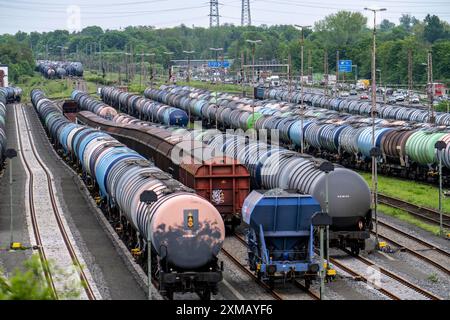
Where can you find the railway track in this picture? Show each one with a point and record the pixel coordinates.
(46, 221)
(427, 214)
(263, 285)
(388, 274)
(296, 282)
(422, 246)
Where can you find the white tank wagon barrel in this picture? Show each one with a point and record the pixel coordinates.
(186, 231)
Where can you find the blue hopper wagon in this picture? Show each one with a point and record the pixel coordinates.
(280, 235)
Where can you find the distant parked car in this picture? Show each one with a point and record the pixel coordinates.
(353, 92)
(415, 100)
(344, 94)
(364, 97)
(400, 97)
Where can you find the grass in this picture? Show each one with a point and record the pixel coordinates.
(54, 88)
(136, 87)
(418, 193)
(406, 217)
(433, 277)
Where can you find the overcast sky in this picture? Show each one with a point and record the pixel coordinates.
(47, 15)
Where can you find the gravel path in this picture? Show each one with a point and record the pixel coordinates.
(49, 229)
(377, 279)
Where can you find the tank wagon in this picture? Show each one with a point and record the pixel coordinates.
(271, 166)
(280, 235)
(385, 111)
(222, 180)
(338, 137)
(143, 108)
(185, 230)
(59, 69)
(7, 95)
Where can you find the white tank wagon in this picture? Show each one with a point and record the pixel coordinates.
(186, 231)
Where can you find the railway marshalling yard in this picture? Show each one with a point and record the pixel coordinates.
(57, 216)
(242, 164)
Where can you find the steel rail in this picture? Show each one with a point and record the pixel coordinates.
(428, 214)
(70, 248)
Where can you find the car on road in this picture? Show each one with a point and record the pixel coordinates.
(344, 94)
(400, 97)
(353, 92)
(392, 100)
(364, 96)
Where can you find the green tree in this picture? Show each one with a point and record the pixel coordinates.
(29, 283)
(407, 22)
(434, 29)
(341, 29)
(386, 25)
(441, 59)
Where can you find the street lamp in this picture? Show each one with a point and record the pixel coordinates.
(189, 64)
(430, 87)
(169, 53)
(356, 72)
(373, 112)
(142, 64)
(254, 42)
(216, 50)
(149, 197)
(380, 85)
(440, 146)
(62, 51)
(10, 154)
(302, 108)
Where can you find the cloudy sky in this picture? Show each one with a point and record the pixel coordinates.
(47, 15)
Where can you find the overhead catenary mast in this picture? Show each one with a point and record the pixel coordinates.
(214, 13)
(246, 18)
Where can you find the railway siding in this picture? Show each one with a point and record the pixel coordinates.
(49, 222)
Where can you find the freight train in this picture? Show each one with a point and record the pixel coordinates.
(59, 69)
(143, 108)
(7, 95)
(407, 148)
(280, 237)
(385, 111)
(185, 231)
(222, 180)
(275, 167)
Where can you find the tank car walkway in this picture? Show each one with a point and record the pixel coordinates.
(112, 277)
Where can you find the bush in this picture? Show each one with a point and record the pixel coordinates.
(443, 106)
(31, 284)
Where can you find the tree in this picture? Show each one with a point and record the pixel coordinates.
(441, 59)
(386, 25)
(341, 29)
(93, 31)
(17, 56)
(434, 29)
(407, 22)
